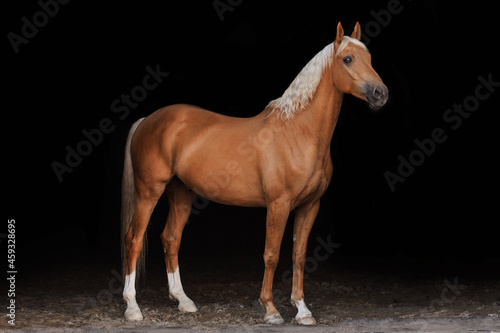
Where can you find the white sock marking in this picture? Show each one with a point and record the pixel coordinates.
(133, 312)
(302, 307)
(176, 291)
(129, 289)
(304, 316)
(174, 284)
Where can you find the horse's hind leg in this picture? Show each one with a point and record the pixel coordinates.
(146, 199)
(180, 199)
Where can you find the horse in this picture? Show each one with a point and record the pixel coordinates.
(279, 159)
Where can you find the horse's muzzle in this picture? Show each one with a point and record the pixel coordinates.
(376, 94)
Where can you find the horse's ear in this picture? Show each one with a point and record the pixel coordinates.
(356, 32)
(340, 35)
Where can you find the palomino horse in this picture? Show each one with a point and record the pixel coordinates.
(279, 159)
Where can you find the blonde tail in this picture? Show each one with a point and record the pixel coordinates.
(128, 205)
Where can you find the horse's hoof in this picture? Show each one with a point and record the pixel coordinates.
(274, 319)
(133, 314)
(187, 306)
(307, 320)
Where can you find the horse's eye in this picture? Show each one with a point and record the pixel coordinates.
(347, 59)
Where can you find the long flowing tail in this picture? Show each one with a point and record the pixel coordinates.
(128, 205)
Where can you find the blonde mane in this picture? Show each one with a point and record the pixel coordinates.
(297, 96)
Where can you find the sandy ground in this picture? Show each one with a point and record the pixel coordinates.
(444, 325)
(347, 296)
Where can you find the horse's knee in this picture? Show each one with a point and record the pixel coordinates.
(271, 259)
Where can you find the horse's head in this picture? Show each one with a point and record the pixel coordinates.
(353, 72)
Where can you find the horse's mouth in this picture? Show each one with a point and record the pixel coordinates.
(377, 106)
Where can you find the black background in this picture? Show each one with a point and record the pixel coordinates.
(429, 55)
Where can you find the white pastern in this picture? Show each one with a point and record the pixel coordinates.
(304, 316)
(176, 291)
(133, 312)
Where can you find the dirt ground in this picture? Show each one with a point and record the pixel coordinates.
(85, 293)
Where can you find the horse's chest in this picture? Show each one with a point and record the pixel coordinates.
(311, 184)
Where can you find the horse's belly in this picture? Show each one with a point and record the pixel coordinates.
(226, 181)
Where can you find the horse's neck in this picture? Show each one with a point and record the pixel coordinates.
(321, 115)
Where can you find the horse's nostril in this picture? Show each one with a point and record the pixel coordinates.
(377, 93)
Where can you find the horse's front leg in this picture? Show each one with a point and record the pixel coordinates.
(304, 220)
(277, 215)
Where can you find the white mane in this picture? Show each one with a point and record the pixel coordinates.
(297, 96)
